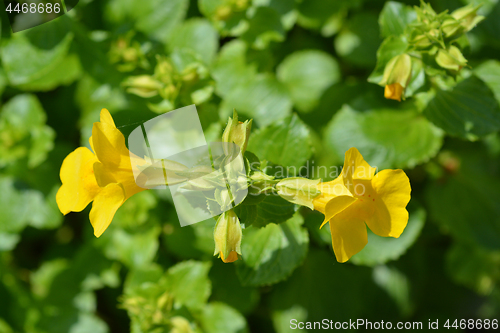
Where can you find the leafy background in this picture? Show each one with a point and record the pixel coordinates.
(299, 69)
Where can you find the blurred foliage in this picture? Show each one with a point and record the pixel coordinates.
(300, 70)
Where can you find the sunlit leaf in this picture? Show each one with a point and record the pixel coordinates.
(395, 17)
(307, 74)
(469, 110)
(286, 143)
(386, 138)
(271, 254)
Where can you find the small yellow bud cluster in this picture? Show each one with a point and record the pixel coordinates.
(163, 82)
(167, 82)
(435, 33)
(128, 54)
(432, 36)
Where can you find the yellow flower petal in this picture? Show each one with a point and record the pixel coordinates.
(349, 234)
(106, 118)
(337, 205)
(104, 207)
(334, 188)
(79, 186)
(393, 91)
(334, 198)
(389, 216)
(232, 257)
(355, 168)
(109, 145)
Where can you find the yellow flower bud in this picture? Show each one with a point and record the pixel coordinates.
(227, 236)
(451, 27)
(180, 325)
(300, 191)
(422, 41)
(164, 70)
(451, 59)
(393, 91)
(237, 132)
(397, 74)
(143, 85)
(223, 13)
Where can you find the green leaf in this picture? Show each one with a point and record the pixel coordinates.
(286, 143)
(489, 72)
(66, 292)
(273, 209)
(386, 138)
(14, 216)
(133, 249)
(320, 281)
(25, 207)
(156, 18)
(32, 54)
(469, 110)
(396, 285)
(45, 212)
(395, 17)
(23, 131)
(473, 267)
(265, 26)
(191, 241)
(380, 250)
(262, 98)
(284, 8)
(283, 318)
(4, 327)
(230, 69)
(198, 36)
(3, 80)
(491, 25)
(133, 237)
(359, 40)
(68, 70)
(464, 203)
(390, 47)
(153, 298)
(321, 14)
(8, 241)
(42, 278)
(89, 323)
(229, 18)
(307, 74)
(219, 317)
(272, 253)
(226, 288)
(189, 284)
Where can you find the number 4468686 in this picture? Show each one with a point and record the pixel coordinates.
(472, 324)
(34, 8)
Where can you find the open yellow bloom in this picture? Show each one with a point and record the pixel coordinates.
(106, 177)
(358, 197)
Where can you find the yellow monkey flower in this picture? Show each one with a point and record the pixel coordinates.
(397, 74)
(358, 197)
(104, 177)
